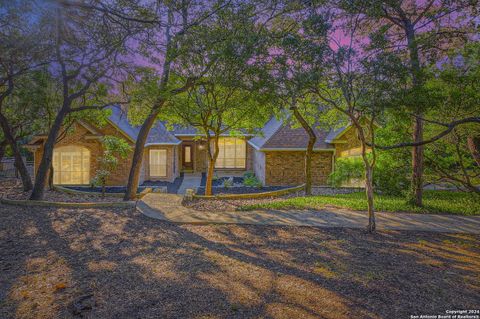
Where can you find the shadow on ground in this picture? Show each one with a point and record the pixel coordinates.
(120, 264)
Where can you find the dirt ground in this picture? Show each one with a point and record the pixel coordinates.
(12, 189)
(104, 263)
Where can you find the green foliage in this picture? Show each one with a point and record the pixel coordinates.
(387, 179)
(114, 148)
(250, 180)
(228, 182)
(435, 202)
(346, 170)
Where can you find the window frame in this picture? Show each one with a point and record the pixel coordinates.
(150, 162)
(69, 151)
(236, 158)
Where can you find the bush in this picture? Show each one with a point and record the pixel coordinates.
(390, 176)
(228, 182)
(248, 174)
(250, 180)
(346, 170)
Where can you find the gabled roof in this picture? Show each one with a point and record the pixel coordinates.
(333, 134)
(277, 134)
(280, 135)
(158, 134)
(270, 128)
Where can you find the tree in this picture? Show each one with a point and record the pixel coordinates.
(227, 98)
(113, 149)
(455, 87)
(86, 61)
(292, 78)
(340, 79)
(416, 31)
(21, 51)
(173, 21)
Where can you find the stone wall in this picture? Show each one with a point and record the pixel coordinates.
(348, 144)
(77, 136)
(285, 168)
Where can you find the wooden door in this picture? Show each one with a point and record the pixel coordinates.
(187, 156)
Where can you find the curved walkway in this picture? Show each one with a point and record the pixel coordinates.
(169, 207)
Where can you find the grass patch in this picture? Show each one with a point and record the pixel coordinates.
(445, 202)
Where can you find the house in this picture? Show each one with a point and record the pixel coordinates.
(275, 154)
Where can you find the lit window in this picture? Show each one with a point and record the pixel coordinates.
(71, 165)
(158, 163)
(233, 153)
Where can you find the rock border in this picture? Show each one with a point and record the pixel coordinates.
(77, 192)
(276, 193)
(42, 203)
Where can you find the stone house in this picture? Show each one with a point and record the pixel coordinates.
(275, 154)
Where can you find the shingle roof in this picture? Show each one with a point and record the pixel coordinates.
(183, 130)
(288, 137)
(158, 134)
(276, 134)
(268, 130)
(334, 133)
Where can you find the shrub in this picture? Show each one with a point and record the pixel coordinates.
(390, 175)
(248, 174)
(228, 182)
(252, 181)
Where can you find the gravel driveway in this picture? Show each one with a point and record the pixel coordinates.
(99, 263)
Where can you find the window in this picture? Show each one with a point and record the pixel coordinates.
(233, 153)
(158, 163)
(71, 165)
(188, 154)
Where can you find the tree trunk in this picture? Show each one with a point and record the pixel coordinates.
(417, 151)
(50, 177)
(210, 172)
(46, 162)
(211, 163)
(369, 167)
(312, 138)
(134, 176)
(369, 192)
(417, 165)
(473, 143)
(19, 163)
(3, 146)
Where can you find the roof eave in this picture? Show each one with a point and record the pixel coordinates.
(286, 149)
(159, 144)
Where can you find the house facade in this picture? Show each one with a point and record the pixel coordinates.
(275, 154)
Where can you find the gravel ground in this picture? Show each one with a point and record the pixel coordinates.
(117, 263)
(12, 189)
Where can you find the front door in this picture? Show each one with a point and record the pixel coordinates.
(187, 157)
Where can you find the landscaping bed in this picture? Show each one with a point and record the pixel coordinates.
(108, 189)
(239, 204)
(219, 181)
(217, 190)
(12, 189)
(172, 187)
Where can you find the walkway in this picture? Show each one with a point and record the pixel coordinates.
(169, 207)
(190, 180)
